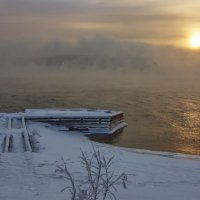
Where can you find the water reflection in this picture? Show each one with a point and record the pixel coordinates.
(157, 120)
(187, 127)
(105, 138)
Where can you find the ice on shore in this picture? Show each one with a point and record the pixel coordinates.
(32, 175)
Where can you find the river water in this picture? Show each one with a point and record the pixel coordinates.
(157, 120)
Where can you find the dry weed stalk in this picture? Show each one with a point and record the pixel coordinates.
(100, 180)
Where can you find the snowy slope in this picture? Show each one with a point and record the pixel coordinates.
(32, 175)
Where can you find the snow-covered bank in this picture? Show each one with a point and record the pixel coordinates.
(26, 175)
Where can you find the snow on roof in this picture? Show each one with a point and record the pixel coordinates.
(74, 112)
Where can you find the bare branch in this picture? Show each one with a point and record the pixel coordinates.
(100, 181)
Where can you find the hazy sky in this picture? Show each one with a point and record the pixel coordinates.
(169, 22)
(89, 41)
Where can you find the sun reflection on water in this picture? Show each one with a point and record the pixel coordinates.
(187, 127)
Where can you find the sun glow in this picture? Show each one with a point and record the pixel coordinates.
(195, 41)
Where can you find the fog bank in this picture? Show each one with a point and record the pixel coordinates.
(97, 61)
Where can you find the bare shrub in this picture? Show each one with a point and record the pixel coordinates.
(100, 180)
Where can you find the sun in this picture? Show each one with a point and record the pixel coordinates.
(195, 41)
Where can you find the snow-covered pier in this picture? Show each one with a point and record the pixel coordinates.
(91, 121)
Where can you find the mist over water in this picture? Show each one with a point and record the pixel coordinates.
(158, 120)
(157, 87)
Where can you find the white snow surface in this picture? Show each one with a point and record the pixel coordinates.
(33, 176)
(74, 112)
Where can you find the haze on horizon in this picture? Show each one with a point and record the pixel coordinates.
(149, 37)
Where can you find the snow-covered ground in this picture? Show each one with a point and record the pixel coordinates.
(33, 175)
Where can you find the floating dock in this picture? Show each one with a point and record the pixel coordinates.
(91, 121)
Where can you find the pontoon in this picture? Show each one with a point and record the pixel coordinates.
(91, 121)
